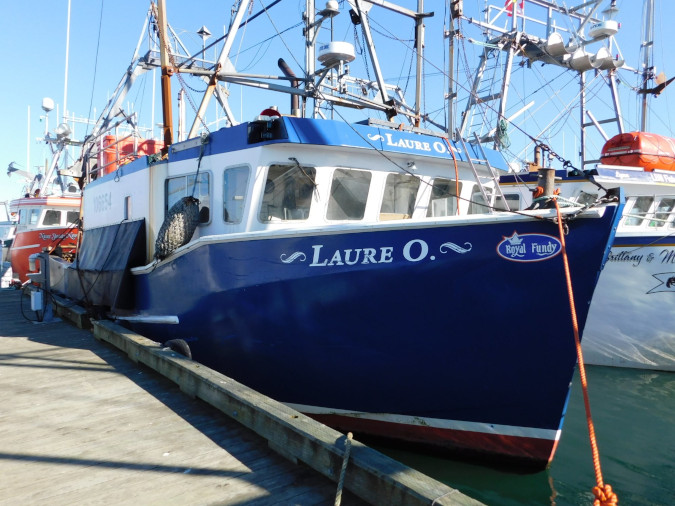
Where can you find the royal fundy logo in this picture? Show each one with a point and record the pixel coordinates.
(528, 247)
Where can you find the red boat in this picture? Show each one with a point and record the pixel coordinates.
(640, 149)
(44, 223)
(50, 222)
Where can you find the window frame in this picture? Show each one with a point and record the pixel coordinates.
(452, 185)
(362, 203)
(299, 193)
(386, 214)
(48, 212)
(247, 182)
(188, 190)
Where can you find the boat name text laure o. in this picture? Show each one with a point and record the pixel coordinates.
(413, 251)
(438, 146)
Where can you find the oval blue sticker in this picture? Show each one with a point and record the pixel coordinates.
(528, 247)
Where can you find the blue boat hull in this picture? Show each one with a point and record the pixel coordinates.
(432, 335)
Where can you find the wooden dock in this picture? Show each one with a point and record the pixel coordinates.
(82, 423)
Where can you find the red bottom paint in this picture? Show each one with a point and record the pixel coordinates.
(525, 451)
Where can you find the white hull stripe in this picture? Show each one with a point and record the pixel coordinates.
(25, 247)
(168, 319)
(439, 423)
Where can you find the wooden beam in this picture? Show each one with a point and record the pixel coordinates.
(370, 475)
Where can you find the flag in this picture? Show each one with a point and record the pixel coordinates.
(512, 5)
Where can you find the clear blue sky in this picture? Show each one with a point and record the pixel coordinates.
(33, 35)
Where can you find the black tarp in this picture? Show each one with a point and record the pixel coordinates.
(102, 268)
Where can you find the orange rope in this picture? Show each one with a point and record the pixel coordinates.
(539, 191)
(603, 493)
(454, 159)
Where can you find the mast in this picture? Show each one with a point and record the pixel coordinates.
(647, 70)
(167, 71)
(419, 47)
(510, 56)
(222, 63)
(455, 12)
(365, 23)
(310, 54)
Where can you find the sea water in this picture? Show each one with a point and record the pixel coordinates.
(633, 413)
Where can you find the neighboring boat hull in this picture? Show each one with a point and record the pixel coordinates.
(389, 334)
(35, 241)
(630, 323)
(44, 224)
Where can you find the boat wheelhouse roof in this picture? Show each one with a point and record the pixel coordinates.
(49, 201)
(292, 130)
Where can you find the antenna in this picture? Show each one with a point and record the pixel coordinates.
(65, 83)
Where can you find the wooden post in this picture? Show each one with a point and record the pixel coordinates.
(546, 179)
(167, 71)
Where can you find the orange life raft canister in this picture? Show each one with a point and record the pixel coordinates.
(640, 149)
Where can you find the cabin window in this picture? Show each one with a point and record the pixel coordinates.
(478, 204)
(400, 193)
(288, 193)
(33, 217)
(235, 182)
(127, 207)
(443, 198)
(637, 213)
(51, 217)
(22, 217)
(72, 217)
(510, 202)
(348, 194)
(183, 186)
(663, 213)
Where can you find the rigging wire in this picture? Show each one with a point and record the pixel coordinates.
(483, 111)
(93, 84)
(242, 38)
(283, 41)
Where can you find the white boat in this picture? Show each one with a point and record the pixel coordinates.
(633, 310)
(631, 316)
(357, 271)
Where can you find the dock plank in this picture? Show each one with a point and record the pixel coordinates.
(82, 423)
(89, 422)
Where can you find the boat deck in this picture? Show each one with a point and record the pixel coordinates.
(81, 422)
